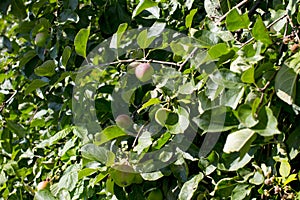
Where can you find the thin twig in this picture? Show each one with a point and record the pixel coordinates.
(267, 84)
(237, 6)
(129, 61)
(252, 10)
(138, 134)
(187, 59)
(269, 26)
(8, 100)
(293, 28)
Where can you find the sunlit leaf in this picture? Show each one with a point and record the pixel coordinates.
(235, 20)
(81, 40)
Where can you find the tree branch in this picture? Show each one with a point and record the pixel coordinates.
(188, 58)
(237, 6)
(269, 26)
(129, 61)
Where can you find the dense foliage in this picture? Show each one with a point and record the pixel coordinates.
(231, 77)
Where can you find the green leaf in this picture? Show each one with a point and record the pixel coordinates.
(18, 9)
(143, 5)
(218, 50)
(226, 78)
(16, 128)
(293, 142)
(285, 168)
(160, 142)
(55, 138)
(152, 176)
(35, 84)
(240, 192)
(69, 179)
(248, 76)
(189, 18)
(86, 172)
(217, 119)
(151, 102)
(189, 187)
(231, 97)
(267, 125)
(186, 88)
(96, 153)
(236, 140)
(46, 69)
(260, 32)
(206, 38)
(235, 21)
(245, 116)
(144, 142)
(289, 179)
(234, 161)
(257, 179)
(285, 84)
(143, 40)
(116, 38)
(108, 134)
(43, 195)
(224, 187)
(81, 40)
(212, 8)
(27, 57)
(66, 55)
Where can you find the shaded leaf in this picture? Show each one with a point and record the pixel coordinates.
(46, 69)
(285, 84)
(35, 84)
(66, 55)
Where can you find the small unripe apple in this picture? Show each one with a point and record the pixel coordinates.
(42, 185)
(131, 67)
(124, 121)
(41, 39)
(124, 175)
(155, 195)
(144, 72)
(161, 116)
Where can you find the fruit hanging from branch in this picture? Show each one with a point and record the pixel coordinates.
(123, 121)
(144, 72)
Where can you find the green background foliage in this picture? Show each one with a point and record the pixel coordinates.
(247, 73)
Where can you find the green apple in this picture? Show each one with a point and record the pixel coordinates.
(144, 72)
(124, 175)
(161, 116)
(41, 39)
(124, 121)
(131, 67)
(155, 195)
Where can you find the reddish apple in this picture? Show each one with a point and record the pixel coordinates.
(131, 67)
(124, 121)
(144, 72)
